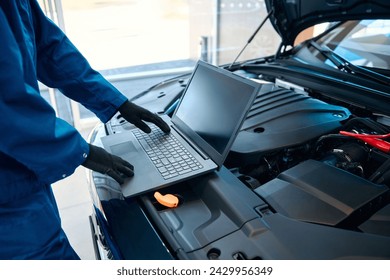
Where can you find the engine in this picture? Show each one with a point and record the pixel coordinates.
(285, 127)
(314, 161)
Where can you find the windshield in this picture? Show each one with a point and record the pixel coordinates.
(364, 43)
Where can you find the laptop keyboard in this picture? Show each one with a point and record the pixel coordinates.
(169, 156)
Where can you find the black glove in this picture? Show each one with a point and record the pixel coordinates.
(136, 115)
(103, 162)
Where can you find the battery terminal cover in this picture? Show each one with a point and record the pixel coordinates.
(168, 200)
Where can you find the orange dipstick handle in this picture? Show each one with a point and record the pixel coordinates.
(168, 200)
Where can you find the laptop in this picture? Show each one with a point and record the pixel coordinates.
(205, 124)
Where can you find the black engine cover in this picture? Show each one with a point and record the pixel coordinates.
(282, 118)
(319, 193)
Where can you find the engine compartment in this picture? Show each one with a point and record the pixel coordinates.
(297, 173)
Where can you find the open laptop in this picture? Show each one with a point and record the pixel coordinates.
(205, 122)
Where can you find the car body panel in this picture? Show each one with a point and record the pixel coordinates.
(289, 18)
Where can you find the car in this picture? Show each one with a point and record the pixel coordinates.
(308, 174)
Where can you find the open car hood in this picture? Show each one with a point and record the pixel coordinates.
(290, 17)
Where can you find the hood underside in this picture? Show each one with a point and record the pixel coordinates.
(290, 17)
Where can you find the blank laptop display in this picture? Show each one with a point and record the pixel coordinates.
(203, 128)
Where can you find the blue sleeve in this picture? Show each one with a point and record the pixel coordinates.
(30, 131)
(60, 65)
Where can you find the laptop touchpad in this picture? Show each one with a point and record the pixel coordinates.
(126, 148)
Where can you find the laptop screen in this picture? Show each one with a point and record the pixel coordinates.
(215, 104)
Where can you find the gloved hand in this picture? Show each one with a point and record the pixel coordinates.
(136, 115)
(103, 162)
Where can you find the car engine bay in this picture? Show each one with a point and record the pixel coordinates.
(307, 160)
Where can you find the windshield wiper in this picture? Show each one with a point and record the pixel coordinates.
(344, 65)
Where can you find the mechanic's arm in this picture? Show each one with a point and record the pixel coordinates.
(30, 131)
(62, 66)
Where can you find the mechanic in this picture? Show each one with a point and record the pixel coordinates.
(37, 148)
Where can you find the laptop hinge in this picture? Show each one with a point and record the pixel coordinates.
(200, 152)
